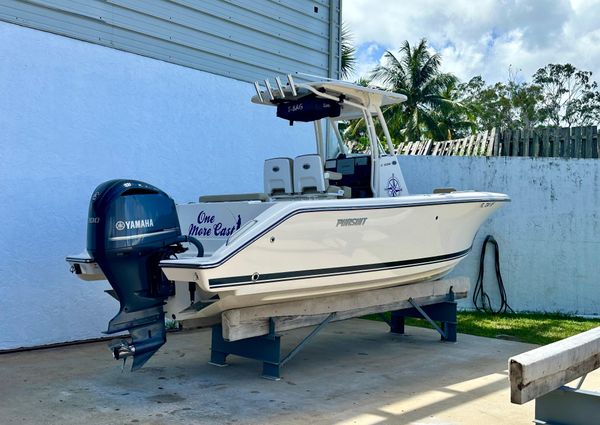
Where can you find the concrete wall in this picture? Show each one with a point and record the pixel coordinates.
(74, 114)
(549, 235)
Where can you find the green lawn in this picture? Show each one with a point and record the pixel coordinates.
(535, 328)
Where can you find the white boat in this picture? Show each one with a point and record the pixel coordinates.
(323, 225)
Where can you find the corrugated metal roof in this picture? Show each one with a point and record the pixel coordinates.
(246, 40)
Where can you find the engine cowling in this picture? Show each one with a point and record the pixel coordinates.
(132, 226)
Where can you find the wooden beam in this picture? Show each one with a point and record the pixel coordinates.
(248, 322)
(539, 371)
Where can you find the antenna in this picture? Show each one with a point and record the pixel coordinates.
(269, 90)
(292, 86)
(258, 93)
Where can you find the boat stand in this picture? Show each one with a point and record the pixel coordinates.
(443, 312)
(266, 348)
(254, 332)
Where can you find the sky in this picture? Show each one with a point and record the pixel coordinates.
(480, 37)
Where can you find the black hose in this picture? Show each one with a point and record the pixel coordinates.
(196, 243)
(481, 300)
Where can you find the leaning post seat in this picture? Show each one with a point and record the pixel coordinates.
(308, 174)
(278, 177)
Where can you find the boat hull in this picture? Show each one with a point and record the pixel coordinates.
(310, 249)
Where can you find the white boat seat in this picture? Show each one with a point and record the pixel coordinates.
(308, 174)
(236, 197)
(278, 176)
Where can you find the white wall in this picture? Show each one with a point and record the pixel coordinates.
(549, 235)
(74, 114)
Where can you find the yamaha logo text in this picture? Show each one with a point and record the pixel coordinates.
(134, 224)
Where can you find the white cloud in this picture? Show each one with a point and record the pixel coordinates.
(482, 37)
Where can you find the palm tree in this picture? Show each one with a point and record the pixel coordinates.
(454, 119)
(415, 72)
(348, 52)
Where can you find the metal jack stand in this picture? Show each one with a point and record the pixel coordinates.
(265, 348)
(444, 312)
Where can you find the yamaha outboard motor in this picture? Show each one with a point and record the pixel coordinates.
(132, 226)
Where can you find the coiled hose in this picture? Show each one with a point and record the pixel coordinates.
(481, 299)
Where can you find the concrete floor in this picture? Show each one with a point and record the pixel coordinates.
(354, 372)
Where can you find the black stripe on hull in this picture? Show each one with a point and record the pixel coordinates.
(333, 271)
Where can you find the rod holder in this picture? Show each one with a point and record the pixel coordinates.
(280, 87)
(269, 90)
(292, 86)
(258, 93)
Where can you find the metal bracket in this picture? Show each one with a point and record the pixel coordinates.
(443, 311)
(302, 343)
(426, 317)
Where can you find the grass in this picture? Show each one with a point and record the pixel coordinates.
(534, 328)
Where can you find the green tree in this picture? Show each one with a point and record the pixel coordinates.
(454, 120)
(348, 53)
(570, 96)
(507, 105)
(415, 72)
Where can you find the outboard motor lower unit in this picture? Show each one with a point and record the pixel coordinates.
(132, 226)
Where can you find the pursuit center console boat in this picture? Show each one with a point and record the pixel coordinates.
(325, 224)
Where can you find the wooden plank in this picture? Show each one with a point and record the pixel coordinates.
(546, 142)
(587, 151)
(519, 138)
(412, 147)
(461, 146)
(415, 147)
(482, 149)
(556, 143)
(526, 140)
(495, 143)
(489, 142)
(596, 142)
(470, 144)
(254, 321)
(427, 148)
(400, 148)
(444, 148)
(477, 144)
(453, 147)
(458, 145)
(448, 148)
(539, 371)
(561, 142)
(577, 142)
(503, 144)
(514, 143)
(567, 143)
(535, 143)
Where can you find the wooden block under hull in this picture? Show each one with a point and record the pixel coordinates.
(241, 323)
